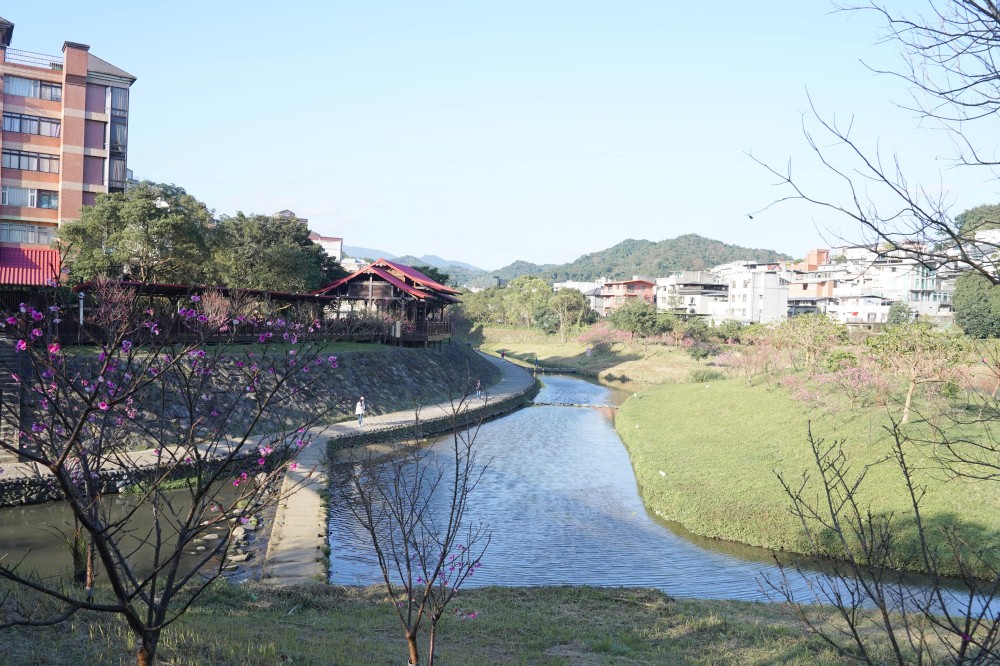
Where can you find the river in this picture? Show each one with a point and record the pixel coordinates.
(561, 500)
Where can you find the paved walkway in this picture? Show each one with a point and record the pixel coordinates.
(298, 536)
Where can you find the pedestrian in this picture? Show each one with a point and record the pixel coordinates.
(503, 356)
(479, 389)
(359, 410)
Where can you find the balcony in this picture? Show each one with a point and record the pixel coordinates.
(18, 57)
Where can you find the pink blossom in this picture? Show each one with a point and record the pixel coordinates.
(21, 345)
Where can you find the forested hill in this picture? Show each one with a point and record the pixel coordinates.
(690, 252)
(630, 257)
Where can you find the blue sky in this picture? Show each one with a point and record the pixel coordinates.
(493, 131)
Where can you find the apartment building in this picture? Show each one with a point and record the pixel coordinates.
(688, 293)
(757, 292)
(64, 138)
(614, 293)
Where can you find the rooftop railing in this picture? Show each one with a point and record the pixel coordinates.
(31, 59)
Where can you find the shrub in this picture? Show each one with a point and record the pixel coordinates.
(703, 375)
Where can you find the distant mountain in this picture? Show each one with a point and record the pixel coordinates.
(367, 253)
(690, 252)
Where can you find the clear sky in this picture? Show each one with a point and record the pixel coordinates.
(488, 132)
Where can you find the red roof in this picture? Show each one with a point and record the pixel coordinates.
(431, 288)
(28, 267)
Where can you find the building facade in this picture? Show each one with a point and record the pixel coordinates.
(64, 139)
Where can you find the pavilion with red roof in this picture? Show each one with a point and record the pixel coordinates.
(414, 303)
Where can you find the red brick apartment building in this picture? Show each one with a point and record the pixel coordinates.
(64, 140)
(616, 293)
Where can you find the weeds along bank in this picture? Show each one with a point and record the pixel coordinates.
(705, 456)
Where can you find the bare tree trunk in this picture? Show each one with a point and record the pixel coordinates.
(430, 644)
(146, 654)
(411, 644)
(909, 400)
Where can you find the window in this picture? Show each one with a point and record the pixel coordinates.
(119, 134)
(16, 122)
(17, 159)
(48, 199)
(119, 102)
(117, 176)
(16, 85)
(11, 232)
(20, 196)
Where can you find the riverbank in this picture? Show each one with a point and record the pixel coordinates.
(617, 364)
(706, 456)
(296, 550)
(321, 624)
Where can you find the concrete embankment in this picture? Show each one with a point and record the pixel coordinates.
(391, 379)
(299, 539)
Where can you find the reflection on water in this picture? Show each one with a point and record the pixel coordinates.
(561, 499)
(37, 535)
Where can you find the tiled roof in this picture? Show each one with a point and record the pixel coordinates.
(417, 276)
(97, 66)
(28, 267)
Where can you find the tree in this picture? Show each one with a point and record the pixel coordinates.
(977, 306)
(980, 218)
(412, 506)
(899, 313)
(812, 336)
(919, 355)
(267, 252)
(523, 297)
(569, 306)
(151, 233)
(151, 401)
(433, 273)
(635, 317)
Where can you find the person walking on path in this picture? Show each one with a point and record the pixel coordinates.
(479, 389)
(359, 410)
(503, 356)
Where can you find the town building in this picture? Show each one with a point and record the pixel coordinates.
(614, 293)
(698, 293)
(757, 293)
(64, 139)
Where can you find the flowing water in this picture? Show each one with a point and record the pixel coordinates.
(561, 500)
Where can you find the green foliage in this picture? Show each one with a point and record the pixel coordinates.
(697, 329)
(899, 313)
(667, 322)
(635, 317)
(977, 306)
(265, 252)
(730, 329)
(979, 218)
(838, 360)
(523, 297)
(152, 233)
(703, 375)
(812, 336)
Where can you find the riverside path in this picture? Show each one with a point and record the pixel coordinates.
(298, 535)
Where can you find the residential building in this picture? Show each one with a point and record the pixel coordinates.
(64, 139)
(591, 290)
(614, 293)
(687, 293)
(333, 246)
(757, 292)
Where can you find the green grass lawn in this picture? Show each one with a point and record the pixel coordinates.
(705, 456)
(636, 362)
(320, 624)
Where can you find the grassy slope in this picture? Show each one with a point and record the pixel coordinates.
(705, 456)
(318, 624)
(652, 364)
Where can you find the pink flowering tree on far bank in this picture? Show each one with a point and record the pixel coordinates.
(150, 402)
